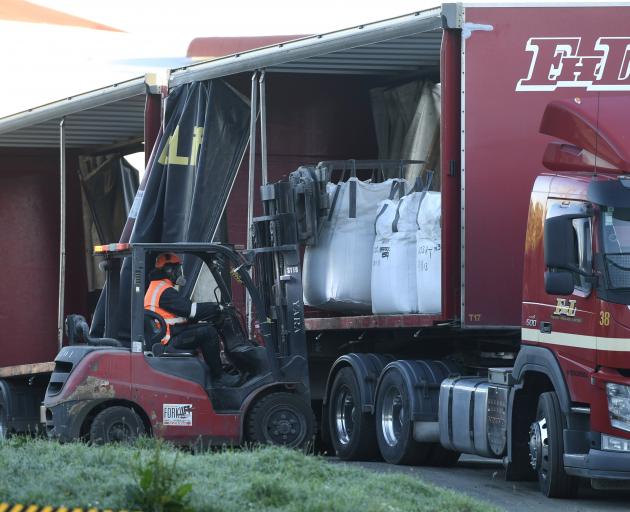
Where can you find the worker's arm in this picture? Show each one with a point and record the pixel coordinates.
(171, 300)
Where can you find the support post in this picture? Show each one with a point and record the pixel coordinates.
(263, 127)
(250, 185)
(62, 230)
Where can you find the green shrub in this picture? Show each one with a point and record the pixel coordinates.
(159, 486)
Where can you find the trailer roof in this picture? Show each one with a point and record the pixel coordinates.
(115, 114)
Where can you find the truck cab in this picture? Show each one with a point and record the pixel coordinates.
(576, 288)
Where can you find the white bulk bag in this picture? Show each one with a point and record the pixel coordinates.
(394, 287)
(337, 272)
(429, 274)
(430, 214)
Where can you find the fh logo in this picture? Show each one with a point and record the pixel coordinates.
(567, 62)
(565, 307)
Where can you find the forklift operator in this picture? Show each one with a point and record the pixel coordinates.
(180, 315)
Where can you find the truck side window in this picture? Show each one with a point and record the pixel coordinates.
(583, 239)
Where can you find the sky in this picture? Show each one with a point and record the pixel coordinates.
(41, 63)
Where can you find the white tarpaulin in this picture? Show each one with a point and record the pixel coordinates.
(337, 272)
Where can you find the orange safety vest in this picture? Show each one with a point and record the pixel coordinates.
(152, 303)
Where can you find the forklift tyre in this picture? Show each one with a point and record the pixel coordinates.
(394, 428)
(116, 424)
(547, 449)
(352, 432)
(281, 418)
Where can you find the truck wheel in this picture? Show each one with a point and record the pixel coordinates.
(282, 419)
(546, 449)
(116, 424)
(394, 430)
(352, 432)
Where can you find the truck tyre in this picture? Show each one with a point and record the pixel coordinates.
(281, 418)
(394, 430)
(116, 424)
(352, 432)
(546, 449)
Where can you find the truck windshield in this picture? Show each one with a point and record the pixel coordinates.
(616, 245)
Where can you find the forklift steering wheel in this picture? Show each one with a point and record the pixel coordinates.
(154, 327)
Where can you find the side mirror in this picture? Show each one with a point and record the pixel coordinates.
(559, 282)
(560, 243)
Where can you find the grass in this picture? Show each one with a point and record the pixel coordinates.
(155, 477)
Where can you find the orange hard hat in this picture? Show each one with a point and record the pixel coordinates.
(167, 258)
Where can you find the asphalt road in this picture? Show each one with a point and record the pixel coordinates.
(484, 479)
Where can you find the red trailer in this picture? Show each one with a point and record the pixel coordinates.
(533, 293)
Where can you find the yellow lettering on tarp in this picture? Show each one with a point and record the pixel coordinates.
(17, 508)
(169, 151)
(32, 508)
(196, 144)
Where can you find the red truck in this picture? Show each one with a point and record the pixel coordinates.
(528, 357)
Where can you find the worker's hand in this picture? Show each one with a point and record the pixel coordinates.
(226, 309)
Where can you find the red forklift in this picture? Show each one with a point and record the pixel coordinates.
(109, 389)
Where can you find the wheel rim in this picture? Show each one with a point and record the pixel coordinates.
(119, 432)
(392, 416)
(344, 414)
(284, 425)
(539, 447)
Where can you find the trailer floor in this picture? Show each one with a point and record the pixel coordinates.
(484, 479)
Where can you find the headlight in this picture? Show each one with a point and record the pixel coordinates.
(619, 405)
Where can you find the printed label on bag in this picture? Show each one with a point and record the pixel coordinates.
(179, 415)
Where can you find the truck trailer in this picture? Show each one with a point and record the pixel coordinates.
(527, 357)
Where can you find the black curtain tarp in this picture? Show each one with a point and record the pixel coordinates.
(206, 130)
(108, 189)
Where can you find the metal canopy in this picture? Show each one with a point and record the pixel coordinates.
(115, 114)
(111, 115)
(390, 47)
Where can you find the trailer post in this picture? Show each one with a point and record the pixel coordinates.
(263, 126)
(62, 229)
(250, 186)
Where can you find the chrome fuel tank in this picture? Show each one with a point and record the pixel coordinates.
(472, 416)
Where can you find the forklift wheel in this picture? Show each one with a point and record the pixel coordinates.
(281, 419)
(116, 424)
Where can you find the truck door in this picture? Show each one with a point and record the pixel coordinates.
(567, 323)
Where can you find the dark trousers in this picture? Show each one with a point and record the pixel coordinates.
(204, 337)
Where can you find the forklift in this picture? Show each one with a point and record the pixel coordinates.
(115, 389)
